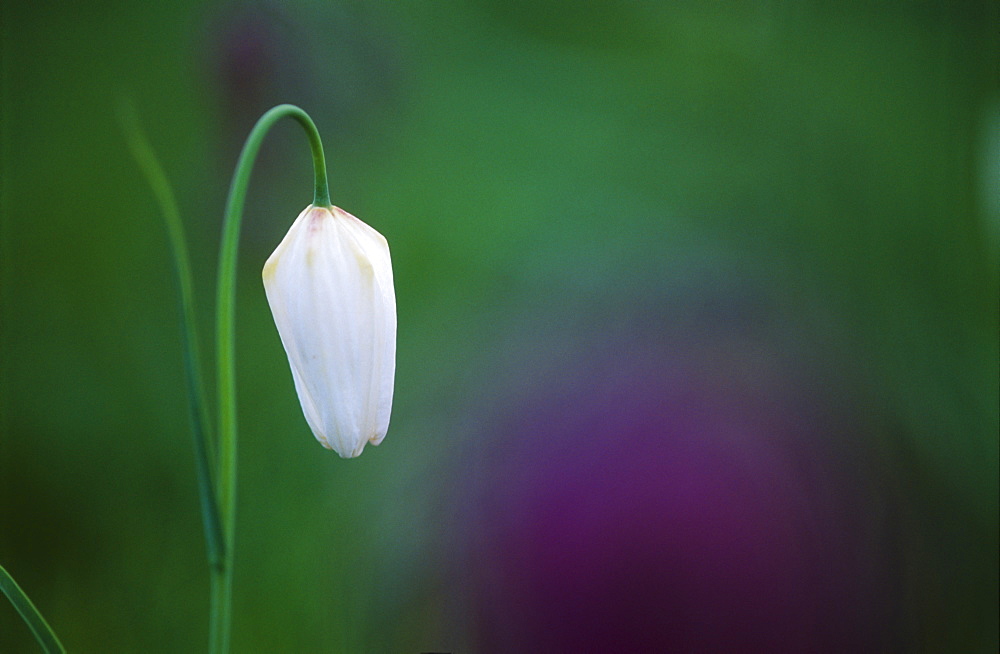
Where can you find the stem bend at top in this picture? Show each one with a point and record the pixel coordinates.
(225, 334)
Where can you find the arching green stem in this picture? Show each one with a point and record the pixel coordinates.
(222, 578)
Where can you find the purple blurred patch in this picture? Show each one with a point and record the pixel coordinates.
(702, 502)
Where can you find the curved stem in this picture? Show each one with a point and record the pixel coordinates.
(222, 577)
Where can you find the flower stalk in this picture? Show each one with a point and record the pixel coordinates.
(218, 490)
(225, 342)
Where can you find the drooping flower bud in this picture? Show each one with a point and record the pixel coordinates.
(329, 285)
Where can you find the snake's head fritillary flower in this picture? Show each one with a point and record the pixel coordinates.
(329, 286)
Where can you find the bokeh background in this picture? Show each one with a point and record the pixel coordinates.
(698, 325)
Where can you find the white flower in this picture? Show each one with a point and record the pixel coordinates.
(329, 284)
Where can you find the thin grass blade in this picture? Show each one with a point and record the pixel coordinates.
(39, 627)
(143, 153)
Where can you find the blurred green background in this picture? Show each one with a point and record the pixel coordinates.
(537, 167)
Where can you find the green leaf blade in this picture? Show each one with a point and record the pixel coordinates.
(31, 616)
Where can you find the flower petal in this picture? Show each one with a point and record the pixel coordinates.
(329, 286)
